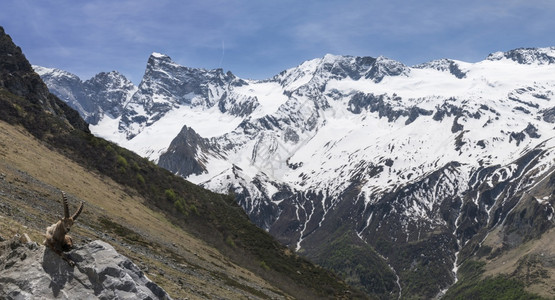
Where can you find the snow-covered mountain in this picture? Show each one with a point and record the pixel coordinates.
(440, 161)
(103, 95)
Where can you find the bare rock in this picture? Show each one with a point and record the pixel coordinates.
(28, 271)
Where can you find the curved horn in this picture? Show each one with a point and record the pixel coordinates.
(76, 214)
(66, 209)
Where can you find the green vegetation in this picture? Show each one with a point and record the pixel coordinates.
(425, 273)
(230, 242)
(122, 162)
(472, 286)
(264, 266)
(419, 276)
(140, 179)
(358, 263)
(193, 209)
(127, 234)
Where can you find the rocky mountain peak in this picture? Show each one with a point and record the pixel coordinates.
(444, 65)
(113, 79)
(161, 63)
(156, 60)
(18, 77)
(109, 92)
(384, 66)
(48, 73)
(164, 72)
(318, 71)
(104, 93)
(526, 56)
(346, 66)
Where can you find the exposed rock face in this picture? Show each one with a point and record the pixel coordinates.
(190, 147)
(17, 77)
(104, 94)
(527, 56)
(30, 271)
(444, 65)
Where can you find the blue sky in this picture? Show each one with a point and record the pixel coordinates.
(260, 38)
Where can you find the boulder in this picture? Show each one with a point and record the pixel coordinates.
(30, 271)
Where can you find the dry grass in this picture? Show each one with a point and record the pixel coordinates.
(515, 262)
(182, 264)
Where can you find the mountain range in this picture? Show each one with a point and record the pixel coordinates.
(175, 235)
(407, 181)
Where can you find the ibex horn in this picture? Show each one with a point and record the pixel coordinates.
(66, 209)
(76, 214)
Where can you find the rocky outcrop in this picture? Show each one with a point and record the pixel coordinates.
(18, 78)
(185, 154)
(444, 65)
(30, 271)
(526, 56)
(103, 94)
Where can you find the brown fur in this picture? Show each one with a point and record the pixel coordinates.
(56, 234)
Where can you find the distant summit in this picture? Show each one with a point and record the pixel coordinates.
(103, 94)
(527, 56)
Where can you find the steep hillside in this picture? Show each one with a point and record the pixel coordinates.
(182, 235)
(32, 177)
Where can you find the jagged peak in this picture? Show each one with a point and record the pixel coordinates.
(332, 66)
(434, 64)
(53, 72)
(330, 58)
(540, 56)
(159, 55)
(114, 73)
(156, 59)
(382, 60)
(159, 61)
(443, 65)
(384, 66)
(114, 76)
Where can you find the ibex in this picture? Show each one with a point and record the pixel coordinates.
(56, 234)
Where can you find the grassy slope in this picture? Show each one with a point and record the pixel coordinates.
(532, 264)
(500, 271)
(358, 263)
(32, 175)
(474, 285)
